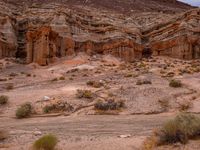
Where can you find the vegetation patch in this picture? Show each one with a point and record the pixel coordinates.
(84, 94)
(10, 86)
(57, 79)
(62, 78)
(47, 142)
(109, 105)
(57, 107)
(24, 111)
(141, 82)
(185, 106)
(181, 129)
(128, 75)
(3, 100)
(175, 83)
(95, 84)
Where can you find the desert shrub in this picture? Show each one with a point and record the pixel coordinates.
(141, 82)
(58, 107)
(175, 83)
(71, 78)
(48, 108)
(9, 87)
(141, 65)
(84, 94)
(3, 100)
(128, 75)
(109, 105)
(185, 106)
(3, 135)
(180, 129)
(95, 84)
(24, 111)
(47, 142)
(150, 143)
(62, 78)
(28, 75)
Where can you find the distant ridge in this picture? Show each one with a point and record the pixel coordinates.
(122, 6)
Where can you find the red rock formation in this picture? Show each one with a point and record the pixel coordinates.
(8, 40)
(179, 39)
(42, 33)
(45, 45)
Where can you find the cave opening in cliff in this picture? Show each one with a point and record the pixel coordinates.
(147, 52)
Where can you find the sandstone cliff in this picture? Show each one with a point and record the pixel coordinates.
(42, 32)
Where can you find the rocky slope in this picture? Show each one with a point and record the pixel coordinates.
(42, 32)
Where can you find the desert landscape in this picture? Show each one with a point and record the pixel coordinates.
(99, 75)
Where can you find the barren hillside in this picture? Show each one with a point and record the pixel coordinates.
(125, 6)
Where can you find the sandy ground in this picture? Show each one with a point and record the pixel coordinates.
(147, 106)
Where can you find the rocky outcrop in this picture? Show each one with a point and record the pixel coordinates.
(65, 32)
(8, 39)
(179, 39)
(43, 32)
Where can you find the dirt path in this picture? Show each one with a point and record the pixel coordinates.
(86, 130)
(86, 125)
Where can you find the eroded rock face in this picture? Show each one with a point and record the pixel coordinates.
(43, 32)
(63, 32)
(179, 39)
(8, 39)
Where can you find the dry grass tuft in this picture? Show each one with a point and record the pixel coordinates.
(47, 142)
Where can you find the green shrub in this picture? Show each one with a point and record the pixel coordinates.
(84, 94)
(175, 83)
(47, 142)
(180, 129)
(24, 111)
(3, 100)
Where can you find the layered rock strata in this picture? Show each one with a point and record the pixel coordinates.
(43, 32)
